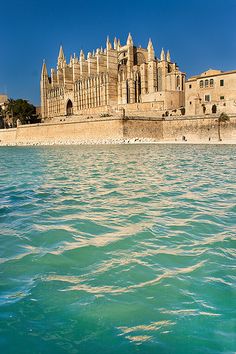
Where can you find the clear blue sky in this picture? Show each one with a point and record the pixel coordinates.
(200, 34)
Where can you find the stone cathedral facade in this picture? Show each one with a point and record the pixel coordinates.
(117, 77)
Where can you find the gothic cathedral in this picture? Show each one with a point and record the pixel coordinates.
(118, 77)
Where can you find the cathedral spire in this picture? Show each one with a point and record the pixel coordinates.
(61, 58)
(109, 46)
(150, 43)
(71, 60)
(168, 56)
(151, 53)
(44, 72)
(129, 40)
(81, 56)
(115, 43)
(162, 54)
(118, 44)
(44, 85)
(61, 53)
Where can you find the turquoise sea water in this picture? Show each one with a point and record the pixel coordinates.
(118, 249)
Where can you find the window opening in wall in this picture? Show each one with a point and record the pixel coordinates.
(139, 88)
(190, 102)
(201, 84)
(178, 81)
(222, 83)
(182, 82)
(127, 92)
(222, 97)
(207, 98)
(190, 86)
(214, 108)
(211, 83)
(206, 83)
(69, 108)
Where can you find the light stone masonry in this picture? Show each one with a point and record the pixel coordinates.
(118, 76)
(212, 92)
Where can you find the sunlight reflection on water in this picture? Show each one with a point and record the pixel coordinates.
(110, 248)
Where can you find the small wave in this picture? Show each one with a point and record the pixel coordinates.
(141, 333)
(139, 339)
(81, 286)
(218, 280)
(188, 312)
(18, 295)
(153, 326)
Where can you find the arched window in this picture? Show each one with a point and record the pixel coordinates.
(201, 84)
(211, 82)
(206, 83)
(69, 108)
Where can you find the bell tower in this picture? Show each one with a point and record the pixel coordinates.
(44, 85)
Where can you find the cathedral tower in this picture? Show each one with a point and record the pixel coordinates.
(44, 83)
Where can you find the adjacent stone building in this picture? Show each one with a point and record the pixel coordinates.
(4, 118)
(211, 92)
(3, 100)
(112, 78)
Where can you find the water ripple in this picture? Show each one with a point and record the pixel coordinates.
(118, 249)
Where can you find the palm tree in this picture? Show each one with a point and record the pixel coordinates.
(223, 118)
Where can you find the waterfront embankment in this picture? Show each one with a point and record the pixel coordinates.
(115, 130)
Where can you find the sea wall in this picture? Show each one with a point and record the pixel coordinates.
(113, 129)
(63, 132)
(143, 128)
(8, 136)
(199, 129)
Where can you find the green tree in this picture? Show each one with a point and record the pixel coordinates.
(22, 110)
(223, 118)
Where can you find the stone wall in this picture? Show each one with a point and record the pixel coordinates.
(8, 136)
(100, 129)
(63, 132)
(143, 128)
(198, 129)
(142, 109)
(167, 100)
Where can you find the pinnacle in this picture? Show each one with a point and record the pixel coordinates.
(61, 53)
(168, 56)
(129, 40)
(44, 72)
(150, 43)
(162, 54)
